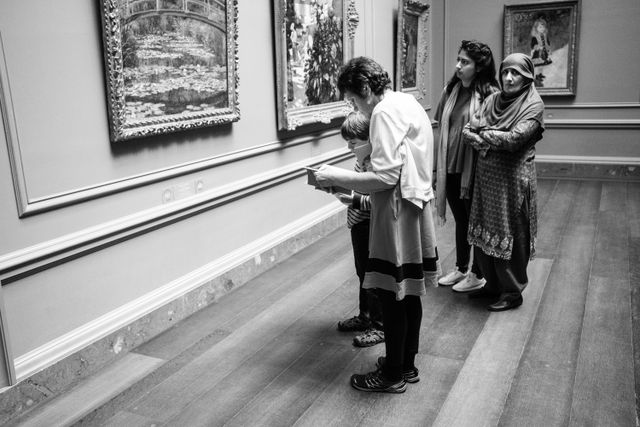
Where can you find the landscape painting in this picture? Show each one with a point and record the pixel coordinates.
(413, 50)
(314, 38)
(171, 65)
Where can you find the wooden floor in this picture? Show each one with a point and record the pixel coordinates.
(269, 353)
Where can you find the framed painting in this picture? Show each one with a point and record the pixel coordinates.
(313, 39)
(413, 49)
(170, 65)
(548, 33)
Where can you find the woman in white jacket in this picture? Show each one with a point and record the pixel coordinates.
(403, 257)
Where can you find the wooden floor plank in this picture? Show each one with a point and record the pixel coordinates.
(420, 404)
(214, 408)
(129, 420)
(552, 219)
(341, 405)
(293, 392)
(546, 188)
(633, 209)
(604, 383)
(241, 305)
(317, 327)
(457, 326)
(478, 395)
(169, 398)
(268, 353)
(633, 213)
(542, 388)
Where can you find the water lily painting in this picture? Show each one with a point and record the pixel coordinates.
(171, 65)
(548, 33)
(314, 38)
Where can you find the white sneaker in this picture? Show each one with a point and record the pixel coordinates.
(470, 283)
(451, 278)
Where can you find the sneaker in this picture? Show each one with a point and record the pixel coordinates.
(470, 283)
(452, 278)
(368, 338)
(409, 375)
(373, 381)
(356, 323)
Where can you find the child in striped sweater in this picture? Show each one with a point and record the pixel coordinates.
(355, 130)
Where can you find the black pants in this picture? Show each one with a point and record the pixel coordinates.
(368, 303)
(461, 209)
(508, 278)
(402, 321)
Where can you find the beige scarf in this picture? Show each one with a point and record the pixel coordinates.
(443, 145)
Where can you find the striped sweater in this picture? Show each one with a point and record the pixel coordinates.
(360, 209)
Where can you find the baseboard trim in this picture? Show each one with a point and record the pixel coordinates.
(589, 168)
(601, 160)
(60, 348)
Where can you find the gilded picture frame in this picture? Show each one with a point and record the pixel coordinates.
(549, 34)
(313, 39)
(413, 50)
(171, 65)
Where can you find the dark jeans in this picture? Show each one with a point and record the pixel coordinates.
(369, 304)
(402, 321)
(508, 278)
(461, 209)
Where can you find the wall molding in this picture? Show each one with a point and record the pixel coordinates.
(592, 124)
(31, 206)
(27, 261)
(596, 105)
(600, 160)
(70, 343)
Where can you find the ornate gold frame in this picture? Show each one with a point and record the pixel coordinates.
(291, 117)
(514, 18)
(125, 128)
(409, 9)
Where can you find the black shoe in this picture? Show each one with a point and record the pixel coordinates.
(373, 381)
(482, 293)
(506, 303)
(354, 324)
(409, 375)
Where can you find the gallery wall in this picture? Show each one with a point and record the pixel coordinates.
(89, 226)
(601, 122)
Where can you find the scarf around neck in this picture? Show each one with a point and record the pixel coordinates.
(443, 145)
(502, 112)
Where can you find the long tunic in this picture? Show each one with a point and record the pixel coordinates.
(505, 177)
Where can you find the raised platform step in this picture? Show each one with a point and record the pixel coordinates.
(92, 392)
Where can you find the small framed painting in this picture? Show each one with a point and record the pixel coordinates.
(413, 49)
(313, 38)
(170, 65)
(548, 33)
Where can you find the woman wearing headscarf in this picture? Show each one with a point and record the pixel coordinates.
(503, 223)
(473, 81)
(403, 257)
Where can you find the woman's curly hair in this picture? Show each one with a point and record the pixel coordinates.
(362, 72)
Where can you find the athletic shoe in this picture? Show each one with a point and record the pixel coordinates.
(373, 381)
(368, 338)
(452, 278)
(470, 283)
(409, 375)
